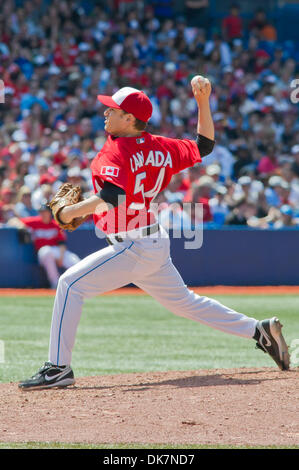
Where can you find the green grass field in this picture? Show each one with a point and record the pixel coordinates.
(133, 333)
(128, 334)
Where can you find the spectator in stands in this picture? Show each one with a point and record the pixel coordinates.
(269, 162)
(174, 216)
(262, 205)
(218, 206)
(189, 176)
(223, 51)
(7, 194)
(286, 218)
(243, 159)
(214, 171)
(232, 25)
(201, 191)
(295, 163)
(284, 191)
(258, 22)
(197, 13)
(269, 33)
(249, 188)
(7, 212)
(23, 207)
(272, 190)
(49, 242)
(261, 27)
(173, 191)
(42, 193)
(241, 213)
(276, 218)
(56, 57)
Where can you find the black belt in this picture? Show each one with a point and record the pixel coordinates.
(144, 232)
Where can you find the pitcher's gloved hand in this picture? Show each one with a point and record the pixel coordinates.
(67, 195)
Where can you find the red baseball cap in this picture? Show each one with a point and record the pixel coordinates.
(130, 100)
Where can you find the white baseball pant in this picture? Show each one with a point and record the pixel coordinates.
(146, 263)
(47, 257)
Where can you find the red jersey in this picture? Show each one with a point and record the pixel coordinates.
(44, 234)
(233, 26)
(206, 211)
(143, 167)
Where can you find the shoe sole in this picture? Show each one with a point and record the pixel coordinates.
(61, 384)
(275, 329)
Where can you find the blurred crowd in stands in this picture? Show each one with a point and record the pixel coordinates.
(57, 56)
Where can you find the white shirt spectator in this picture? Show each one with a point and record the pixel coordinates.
(294, 194)
(254, 187)
(174, 217)
(156, 115)
(224, 157)
(225, 52)
(219, 210)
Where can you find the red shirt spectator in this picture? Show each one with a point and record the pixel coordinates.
(200, 192)
(164, 92)
(267, 165)
(232, 25)
(44, 234)
(65, 56)
(185, 186)
(50, 244)
(206, 211)
(182, 73)
(6, 196)
(261, 60)
(47, 178)
(129, 70)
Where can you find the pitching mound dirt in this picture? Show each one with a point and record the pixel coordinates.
(232, 406)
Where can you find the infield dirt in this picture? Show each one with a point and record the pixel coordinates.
(252, 407)
(204, 290)
(238, 407)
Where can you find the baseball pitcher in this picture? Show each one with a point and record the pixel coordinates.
(130, 170)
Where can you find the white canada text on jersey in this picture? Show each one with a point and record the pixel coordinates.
(155, 158)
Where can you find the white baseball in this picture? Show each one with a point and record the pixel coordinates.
(198, 80)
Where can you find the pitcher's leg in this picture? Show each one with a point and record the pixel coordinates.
(100, 272)
(168, 288)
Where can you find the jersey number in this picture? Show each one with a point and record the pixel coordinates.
(152, 193)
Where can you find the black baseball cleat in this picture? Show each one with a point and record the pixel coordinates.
(270, 340)
(49, 376)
